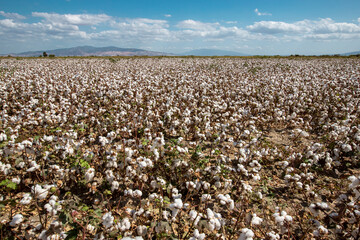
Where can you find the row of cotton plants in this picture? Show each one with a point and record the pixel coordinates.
(180, 148)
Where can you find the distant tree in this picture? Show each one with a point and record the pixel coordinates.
(44, 54)
(51, 55)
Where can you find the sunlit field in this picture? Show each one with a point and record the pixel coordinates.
(180, 148)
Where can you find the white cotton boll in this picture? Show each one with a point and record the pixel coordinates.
(256, 177)
(197, 235)
(193, 214)
(107, 220)
(256, 220)
(346, 147)
(53, 207)
(288, 218)
(26, 199)
(156, 153)
(206, 185)
(3, 137)
(124, 225)
(273, 236)
(205, 197)
(355, 181)
(114, 185)
(128, 192)
(246, 234)
(21, 165)
(217, 184)
(103, 141)
(259, 195)
(178, 204)
(137, 194)
(16, 180)
(89, 174)
(33, 166)
(39, 192)
(48, 138)
(17, 219)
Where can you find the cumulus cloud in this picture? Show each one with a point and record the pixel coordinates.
(261, 13)
(318, 29)
(167, 15)
(272, 27)
(12, 15)
(73, 19)
(210, 31)
(135, 30)
(197, 25)
(101, 27)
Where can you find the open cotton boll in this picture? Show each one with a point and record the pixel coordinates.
(107, 220)
(39, 192)
(26, 199)
(256, 220)
(246, 234)
(123, 225)
(17, 219)
(33, 166)
(53, 207)
(197, 235)
(89, 174)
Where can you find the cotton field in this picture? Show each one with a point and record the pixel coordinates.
(180, 148)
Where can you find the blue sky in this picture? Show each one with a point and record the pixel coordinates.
(253, 27)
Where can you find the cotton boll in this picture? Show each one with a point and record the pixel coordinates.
(137, 194)
(16, 180)
(26, 199)
(273, 236)
(107, 220)
(246, 234)
(89, 174)
(114, 186)
(39, 192)
(256, 220)
(346, 148)
(17, 219)
(197, 235)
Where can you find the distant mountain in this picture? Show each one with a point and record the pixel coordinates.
(212, 52)
(93, 51)
(351, 53)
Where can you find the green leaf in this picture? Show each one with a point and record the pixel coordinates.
(98, 212)
(8, 184)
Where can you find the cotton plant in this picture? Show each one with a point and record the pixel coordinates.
(193, 141)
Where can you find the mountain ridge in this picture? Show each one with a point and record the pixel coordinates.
(92, 51)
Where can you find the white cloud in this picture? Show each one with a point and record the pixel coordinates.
(319, 29)
(73, 19)
(12, 15)
(261, 13)
(90, 28)
(191, 29)
(197, 25)
(167, 15)
(138, 29)
(271, 27)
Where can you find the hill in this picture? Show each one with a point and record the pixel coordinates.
(92, 51)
